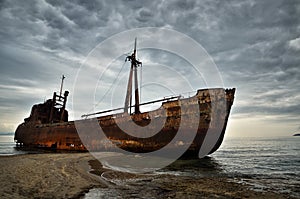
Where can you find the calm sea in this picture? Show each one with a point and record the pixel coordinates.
(264, 163)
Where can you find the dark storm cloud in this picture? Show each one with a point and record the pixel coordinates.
(255, 44)
(255, 55)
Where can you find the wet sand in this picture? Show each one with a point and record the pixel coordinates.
(72, 175)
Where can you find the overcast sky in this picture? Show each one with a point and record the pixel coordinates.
(255, 45)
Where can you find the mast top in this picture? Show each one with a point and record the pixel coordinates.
(61, 85)
(132, 57)
(135, 46)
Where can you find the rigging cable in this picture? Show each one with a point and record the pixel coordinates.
(109, 87)
(141, 78)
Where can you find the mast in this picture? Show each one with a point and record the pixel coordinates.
(59, 101)
(61, 85)
(133, 74)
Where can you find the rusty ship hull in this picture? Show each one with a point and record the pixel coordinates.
(206, 112)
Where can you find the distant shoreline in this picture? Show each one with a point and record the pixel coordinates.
(3, 134)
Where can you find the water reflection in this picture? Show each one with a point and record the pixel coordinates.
(205, 167)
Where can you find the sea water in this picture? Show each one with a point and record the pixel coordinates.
(266, 164)
(7, 145)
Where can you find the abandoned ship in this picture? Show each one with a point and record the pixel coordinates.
(206, 112)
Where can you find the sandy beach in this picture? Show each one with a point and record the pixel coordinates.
(45, 176)
(72, 175)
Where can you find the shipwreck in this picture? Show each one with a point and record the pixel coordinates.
(206, 112)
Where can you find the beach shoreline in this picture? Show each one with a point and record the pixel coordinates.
(72, 175)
